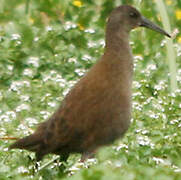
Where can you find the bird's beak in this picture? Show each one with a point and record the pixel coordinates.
(148, 24)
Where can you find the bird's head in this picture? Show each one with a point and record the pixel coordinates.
(126, 17)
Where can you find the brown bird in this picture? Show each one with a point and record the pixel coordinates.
(97, 110)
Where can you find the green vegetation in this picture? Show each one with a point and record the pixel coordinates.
(45, 47)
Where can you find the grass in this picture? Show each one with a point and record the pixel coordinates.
(43, 53)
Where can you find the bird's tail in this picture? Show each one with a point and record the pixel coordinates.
(31, 143)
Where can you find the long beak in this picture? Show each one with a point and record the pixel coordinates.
(148, 24)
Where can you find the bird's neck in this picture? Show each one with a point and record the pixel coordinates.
(118, 58)
(117, 41)
(118, 49)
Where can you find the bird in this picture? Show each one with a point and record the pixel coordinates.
(97, 110)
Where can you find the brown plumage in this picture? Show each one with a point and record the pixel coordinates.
(97, 110)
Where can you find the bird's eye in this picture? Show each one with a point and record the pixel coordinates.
(133, 15)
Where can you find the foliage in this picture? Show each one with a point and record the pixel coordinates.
(45, 47)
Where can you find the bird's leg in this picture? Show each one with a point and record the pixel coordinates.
(86, 155)
(64, 157)
(36, 167)
(36, 164)
(62, 162)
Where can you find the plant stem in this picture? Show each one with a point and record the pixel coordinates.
(170, 50)
(27, 6)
